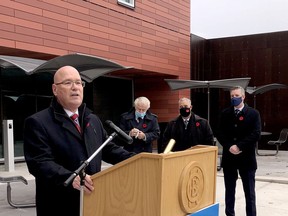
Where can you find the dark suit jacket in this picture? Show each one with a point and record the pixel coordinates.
(198, 132)
(244, 131)
(149, 125)
(53, 149)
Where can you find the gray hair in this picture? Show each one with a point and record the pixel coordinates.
(185, 99)
(142, 100)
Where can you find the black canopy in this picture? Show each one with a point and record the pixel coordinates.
(90, 67)
(176, 84)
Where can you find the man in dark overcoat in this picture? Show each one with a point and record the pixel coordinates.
(54, 148)
(142, 125)
(239, 131)
(188, 129)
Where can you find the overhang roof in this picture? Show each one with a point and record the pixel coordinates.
(176, 84)
(90, 67)
(26, 64)
(264, 88)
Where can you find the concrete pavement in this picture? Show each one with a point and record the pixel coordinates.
(271, 189)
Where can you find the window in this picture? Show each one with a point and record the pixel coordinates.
(128, 3)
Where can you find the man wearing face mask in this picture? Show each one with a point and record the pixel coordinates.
(239, 131)
(188, 129)
(141, 125)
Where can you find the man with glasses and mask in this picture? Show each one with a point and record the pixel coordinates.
(58, 139)
(188, 129)
(238, 132)
(141, 125)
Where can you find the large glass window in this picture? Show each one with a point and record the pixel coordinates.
(21, 96)
(17, 107)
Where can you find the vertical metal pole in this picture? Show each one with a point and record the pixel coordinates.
(208, 92)
(254, 96)
(8, 141)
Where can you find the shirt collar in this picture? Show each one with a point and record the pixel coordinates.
(185, 119)
(69, 113)
(240, 109)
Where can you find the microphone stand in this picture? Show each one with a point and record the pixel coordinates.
(81, 171)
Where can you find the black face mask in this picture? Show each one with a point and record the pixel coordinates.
(184, 112)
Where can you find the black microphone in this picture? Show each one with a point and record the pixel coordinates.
(119, 132)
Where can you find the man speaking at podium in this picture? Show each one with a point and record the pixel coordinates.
(58, 139)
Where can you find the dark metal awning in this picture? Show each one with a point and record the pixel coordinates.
(176, 84)
(26, 64)
(264, 88)
(90, 67)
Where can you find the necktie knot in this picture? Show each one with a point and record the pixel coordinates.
(237, 111)
(74, 117)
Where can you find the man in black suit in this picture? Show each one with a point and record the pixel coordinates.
(239, 131)
(188, 129)
(58, 139)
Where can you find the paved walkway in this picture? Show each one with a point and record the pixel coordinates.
(271, 189)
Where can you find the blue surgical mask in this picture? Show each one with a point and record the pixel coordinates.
(235, 101)
(140, 115)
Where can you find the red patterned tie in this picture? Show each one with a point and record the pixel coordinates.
(74, 117)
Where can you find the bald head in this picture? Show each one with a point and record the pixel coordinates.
(68, 88)
(65, 71)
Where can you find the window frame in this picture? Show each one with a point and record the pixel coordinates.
(127, 4)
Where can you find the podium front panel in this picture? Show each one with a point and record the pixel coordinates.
(150, 184)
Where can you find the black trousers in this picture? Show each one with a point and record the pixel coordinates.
(248, 181)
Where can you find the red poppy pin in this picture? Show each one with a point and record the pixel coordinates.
(197, 124)
(241, 118)
(144, 125)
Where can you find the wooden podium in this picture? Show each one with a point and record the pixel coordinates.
(148, 184)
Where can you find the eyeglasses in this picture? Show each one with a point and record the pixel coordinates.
(69, 83)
